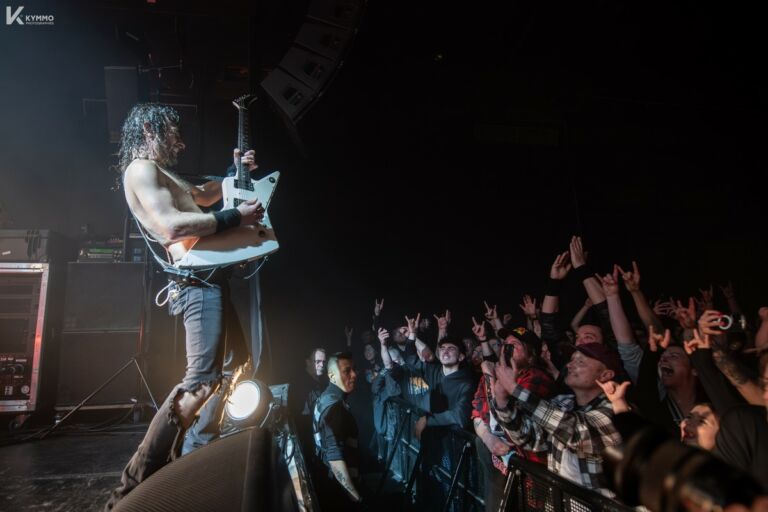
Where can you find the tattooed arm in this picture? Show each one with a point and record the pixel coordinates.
(737, 375)
(340, 471)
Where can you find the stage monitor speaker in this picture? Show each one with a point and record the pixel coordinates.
(240, 472)
(104, 297)
(88, 359)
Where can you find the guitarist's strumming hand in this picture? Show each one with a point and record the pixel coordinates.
(251, 212)
(248, 160)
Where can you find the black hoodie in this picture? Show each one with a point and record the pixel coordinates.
(450, 395)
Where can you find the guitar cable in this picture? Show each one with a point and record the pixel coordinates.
(261, 264)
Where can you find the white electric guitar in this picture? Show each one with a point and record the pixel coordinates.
(244, 243)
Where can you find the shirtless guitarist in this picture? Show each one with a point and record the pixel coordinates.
(168, 209)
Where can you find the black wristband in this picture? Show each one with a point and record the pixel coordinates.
(226, 219)
(491, 358)
(583, 272)
(554, 286)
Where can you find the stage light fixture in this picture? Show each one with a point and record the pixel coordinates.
(244, 400)
(247, 404)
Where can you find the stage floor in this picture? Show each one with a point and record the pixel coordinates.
(67, 472)
(76, 470)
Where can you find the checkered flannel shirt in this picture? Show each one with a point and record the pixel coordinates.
(560, 422)
(535, 380)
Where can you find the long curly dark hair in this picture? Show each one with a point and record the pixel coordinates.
(133, 144)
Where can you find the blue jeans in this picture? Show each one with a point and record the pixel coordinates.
(203, 313)
(207, 362)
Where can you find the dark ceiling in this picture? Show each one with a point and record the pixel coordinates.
(453, 155)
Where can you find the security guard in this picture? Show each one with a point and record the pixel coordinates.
(335, 433)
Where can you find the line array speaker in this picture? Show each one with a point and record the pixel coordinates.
(314, 58)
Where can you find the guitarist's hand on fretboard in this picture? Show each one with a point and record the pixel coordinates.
(248, 159)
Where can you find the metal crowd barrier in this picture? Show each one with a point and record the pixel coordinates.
(534, 488)
(530, 486)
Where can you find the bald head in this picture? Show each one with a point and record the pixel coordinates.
(341, 371)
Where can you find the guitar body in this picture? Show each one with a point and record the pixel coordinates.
(244, 243)
(236, 245)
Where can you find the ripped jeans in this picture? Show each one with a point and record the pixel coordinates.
(203, 309)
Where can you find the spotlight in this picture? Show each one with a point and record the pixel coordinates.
(243, 401)
(246, 405)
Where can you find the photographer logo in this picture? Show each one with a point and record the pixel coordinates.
(15, 16)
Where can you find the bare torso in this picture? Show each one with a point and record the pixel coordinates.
(181, 195)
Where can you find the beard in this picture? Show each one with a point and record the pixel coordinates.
(165, 156)
(171, 156)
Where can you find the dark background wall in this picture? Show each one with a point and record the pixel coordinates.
(453, 156)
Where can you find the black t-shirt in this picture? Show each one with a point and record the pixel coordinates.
(305, 390)
(336, 429)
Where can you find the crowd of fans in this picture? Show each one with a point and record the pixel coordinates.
(548, 390)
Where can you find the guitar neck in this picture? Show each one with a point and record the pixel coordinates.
(242, 178)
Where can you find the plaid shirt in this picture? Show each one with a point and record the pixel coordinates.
(581, 430)
(536, 381)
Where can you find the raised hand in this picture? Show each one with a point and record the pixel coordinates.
(560, 267)
(383, 335)
(664, 308)
(686, 316)
(348, 334)
(506, 318)
(413, 324)
(631, 279)
(656, 341)
(578, 256)
(528, 306)
(443, 321)
(610, 282)
(490, 312)
(478, 329)
(697, 342)
(615, 393)
(378, 307)
(506, 374)
(709, 322)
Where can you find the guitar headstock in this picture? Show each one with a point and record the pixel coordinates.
(244, 101)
